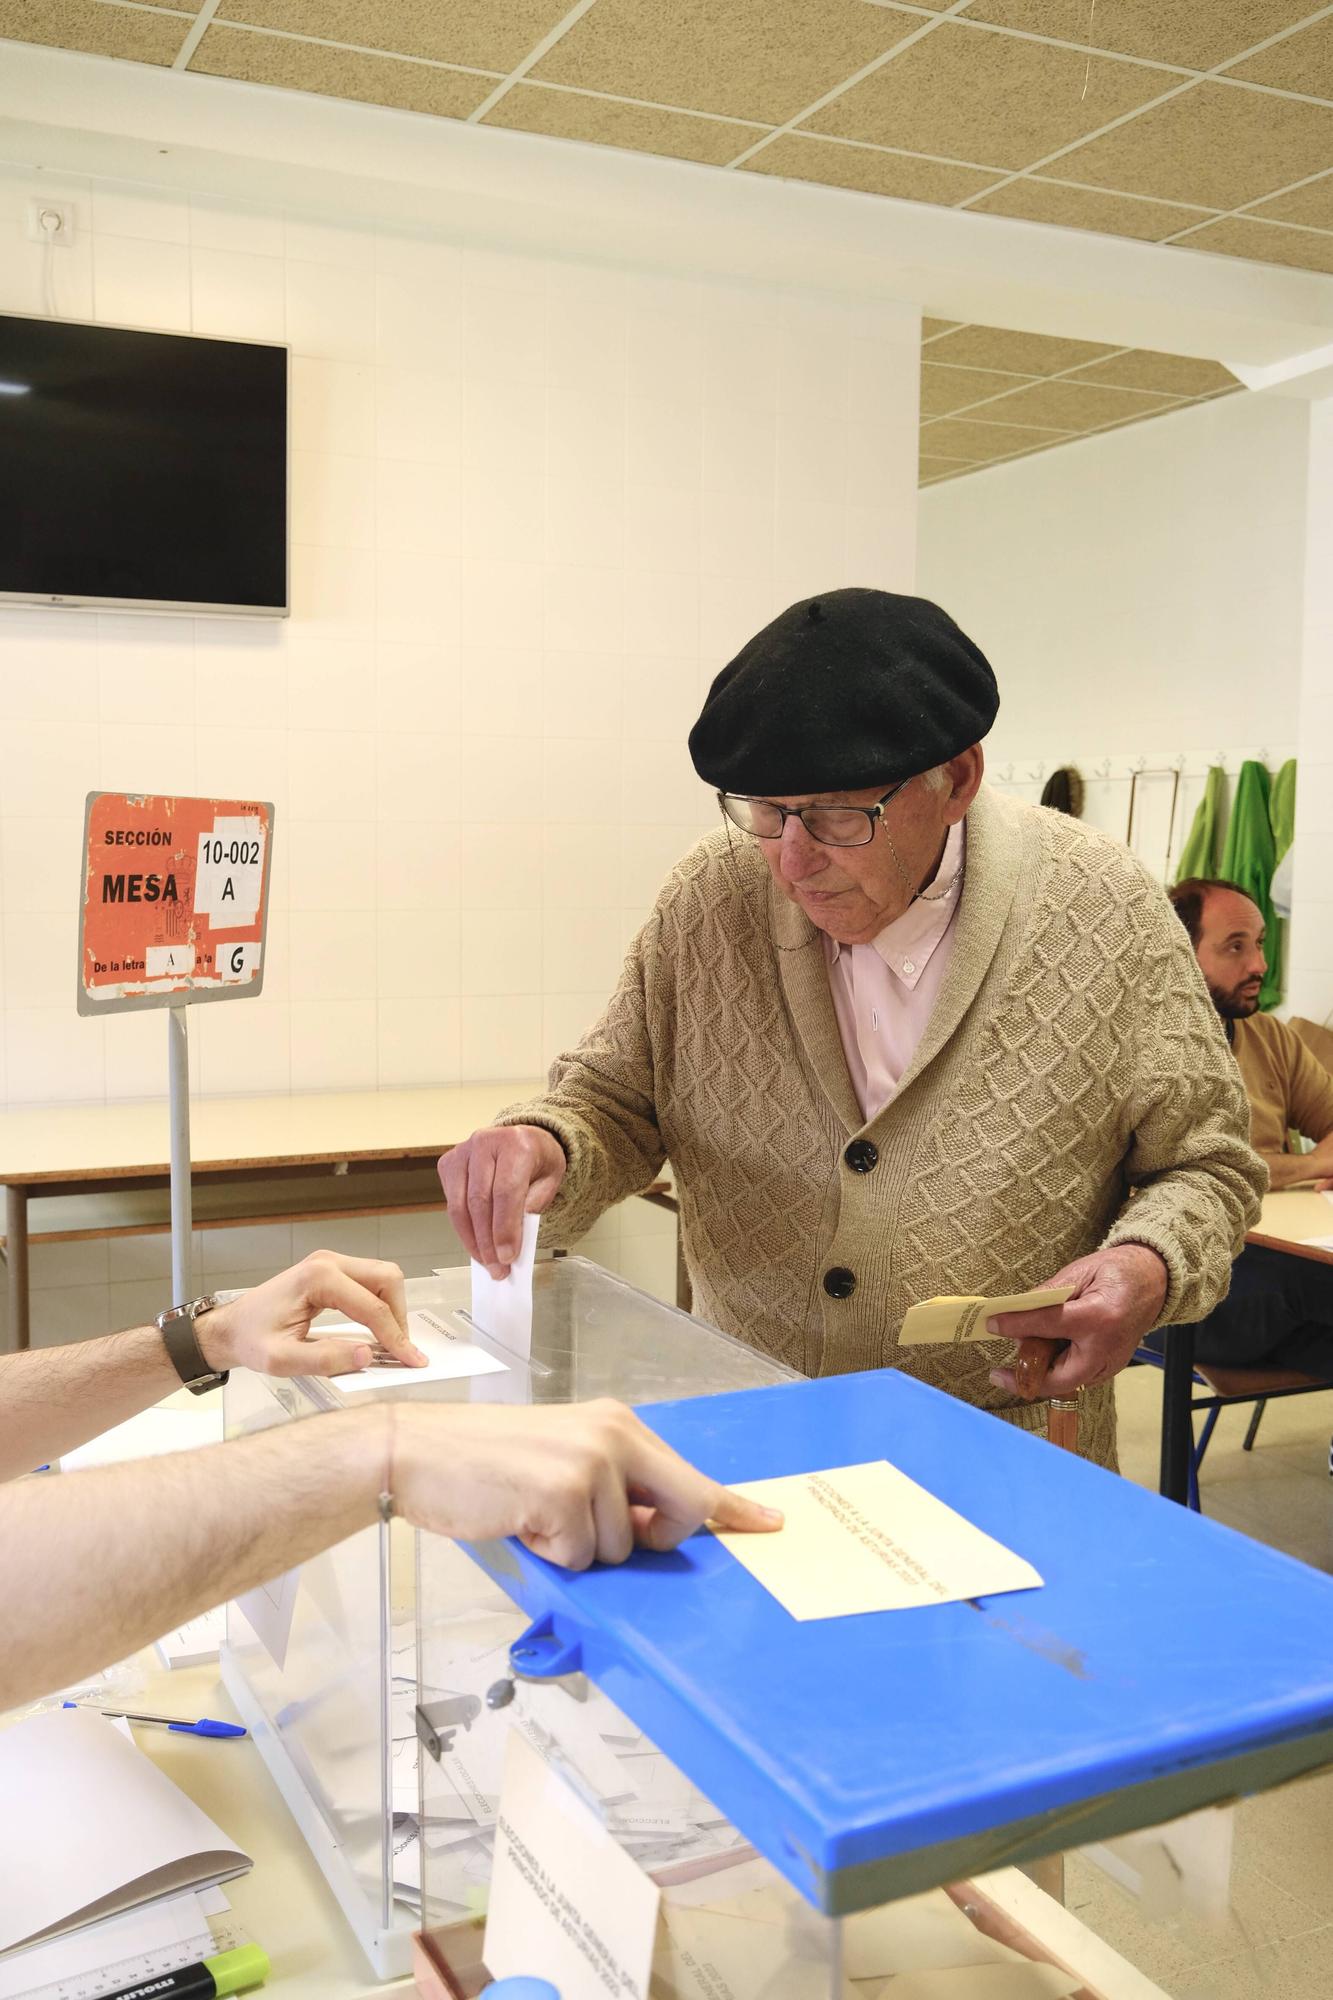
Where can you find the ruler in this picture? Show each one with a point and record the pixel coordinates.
(223, 1934)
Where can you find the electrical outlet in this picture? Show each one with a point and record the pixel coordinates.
(51, 221)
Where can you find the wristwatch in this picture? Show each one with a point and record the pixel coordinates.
(176, 1326)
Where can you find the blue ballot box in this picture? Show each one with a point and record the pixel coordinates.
(828, 1768)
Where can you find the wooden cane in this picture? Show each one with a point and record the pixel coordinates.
(1032, 1364)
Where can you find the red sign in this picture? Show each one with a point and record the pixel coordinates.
(175, 900)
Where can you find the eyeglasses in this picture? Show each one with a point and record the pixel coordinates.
(832, 826)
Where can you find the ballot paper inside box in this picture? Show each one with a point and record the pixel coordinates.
(323, 1663)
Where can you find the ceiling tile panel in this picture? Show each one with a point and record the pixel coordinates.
(1214, 144)
(1302, 62)
(602, 121)
(900, 174)
(931, 327)
(1266, 243)
(964, 437)
(270, 59)
(738, 58)
(1015, 353)
(1034, 200)
(997, 100)
(946, 389)
(1197, 34)
(85, 25)
(1075, 406)
(1167, 374)
(480, 34)
(1312, 205)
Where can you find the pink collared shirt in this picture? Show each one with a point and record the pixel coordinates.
(883, 991)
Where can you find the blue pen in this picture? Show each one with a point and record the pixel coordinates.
(205, 1726)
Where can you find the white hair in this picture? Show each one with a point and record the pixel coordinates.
(936, 780)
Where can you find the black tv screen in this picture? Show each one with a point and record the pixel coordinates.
(141, 468)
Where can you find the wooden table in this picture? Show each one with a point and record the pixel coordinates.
(1287, 1223)
(103, 1149)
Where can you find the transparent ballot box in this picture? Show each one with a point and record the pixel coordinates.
(323, 1663)
(867, 1804)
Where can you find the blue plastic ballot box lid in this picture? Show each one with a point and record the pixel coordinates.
(1167, 1663)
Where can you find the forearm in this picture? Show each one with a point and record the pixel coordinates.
(52, 1399)
(1195, 1218)
(1288, 1170)
(94, 1565)
(612, 1151)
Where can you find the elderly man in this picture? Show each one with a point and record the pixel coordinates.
(1279, 1311)
(95, 1564)
(899, 1036)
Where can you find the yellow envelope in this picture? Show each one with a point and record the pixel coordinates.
(863, 1538)
(942, 1321)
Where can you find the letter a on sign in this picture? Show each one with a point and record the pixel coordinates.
(175, 900)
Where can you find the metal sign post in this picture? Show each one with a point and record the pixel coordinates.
(174, 911)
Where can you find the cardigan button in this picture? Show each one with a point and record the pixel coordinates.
(840, 1283)
(861, 1156)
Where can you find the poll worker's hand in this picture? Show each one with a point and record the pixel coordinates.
(588, 1482)
(493, 1180)
(1118, 1297)
(268, 1328)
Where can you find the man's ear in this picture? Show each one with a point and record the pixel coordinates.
(965, 774)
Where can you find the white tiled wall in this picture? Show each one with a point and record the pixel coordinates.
(536, 506)
(1310, 970)
(1162, 591)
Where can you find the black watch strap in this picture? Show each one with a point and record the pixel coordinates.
(176, 1325)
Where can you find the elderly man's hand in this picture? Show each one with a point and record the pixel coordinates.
(493, 1180)
(268, 1327)
(1118, 1297)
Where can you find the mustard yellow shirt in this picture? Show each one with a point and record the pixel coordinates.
(1289, 1090)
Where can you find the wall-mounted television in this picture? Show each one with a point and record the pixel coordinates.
(142, 470)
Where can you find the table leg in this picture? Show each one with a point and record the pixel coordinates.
(16, 1264)
(684, 1290)
(1177, 1418)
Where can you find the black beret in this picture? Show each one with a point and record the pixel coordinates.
(857, 688)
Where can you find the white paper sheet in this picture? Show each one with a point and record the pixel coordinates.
(502, 1307)
(452, 1356)
(270, 1608)
(708, 1956)
(122, 1831)
(195, 1643)
(565, 1899)
(177, 1929)
(548, 1720)
(860, 1538)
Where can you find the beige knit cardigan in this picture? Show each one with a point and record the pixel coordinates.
(1073, 1088)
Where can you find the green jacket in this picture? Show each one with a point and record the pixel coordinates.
(1248, 860)
(1202, 850)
